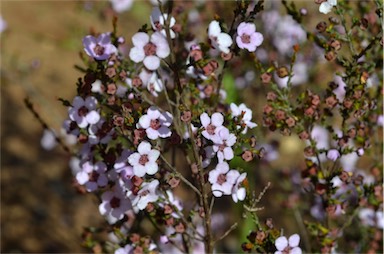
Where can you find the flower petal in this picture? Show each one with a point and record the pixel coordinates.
(144, 147)
(151, 62)
(144, 122)
(137, 54)
(92, 117)
(294, 240)
(205, 120)
(140, 39)
(151, 168)
(281, 243)
(217, 119)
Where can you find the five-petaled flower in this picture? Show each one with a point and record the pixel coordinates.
(291, 245)
(327, 5)
(222, 179)
(92, 176)
(145, 195)
(212, 126)
(149, 50)
(83, 112)
(219, 40)
(224, 147)
(247, 37)
(156, 123)
(239, 192)
(243, 114)
(115, 203)
(99, 48)
(144, 161)
(158, 22)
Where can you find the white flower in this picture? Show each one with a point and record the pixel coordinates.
(219, 40)
(212, 126)
(121, 5)
(326, 6)
(333, 154)
(100, 132)
(288, 246)
(146, 194)
(243, 114)
(158, 21)
(222, 179)
(239, 193)
(371, 218)
(149, 50)
(151, 80)
(92, 176)
(83, 112)
(48, 140)
(114, 203)
(156, 123)
(320, 136)
(144, 161)
(224, 147)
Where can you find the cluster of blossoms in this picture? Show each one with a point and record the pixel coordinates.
(134, 115)
(121, 137)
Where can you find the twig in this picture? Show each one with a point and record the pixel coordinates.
(29, 106)
(233, 227)
(179, 175)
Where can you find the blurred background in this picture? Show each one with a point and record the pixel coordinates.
(40, 209)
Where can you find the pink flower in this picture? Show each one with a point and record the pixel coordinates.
(149, 50)
(144, 161)
(288, 246)
(219, 40)
(156, 123)
(222, 179)
(212, 126)
(99, 48)
(247, 37)
(223, 148)
(83, 112)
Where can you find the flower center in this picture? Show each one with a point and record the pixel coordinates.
(222, 146)
(211, 129)
(158, 25)
(94, 176)
(143, 159)
(245, 38)
(115, 202)
(144, 193)
(99, 50)
(150, 49)
(82, 111)
(221, 179)
(155, 124)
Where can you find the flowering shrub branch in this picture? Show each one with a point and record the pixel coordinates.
(162, 118)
